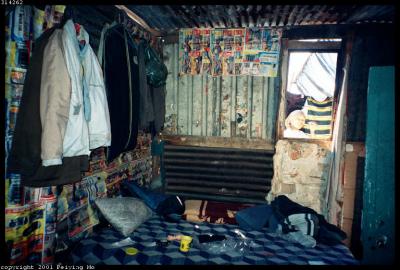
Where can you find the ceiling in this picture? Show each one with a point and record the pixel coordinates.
(169, 18)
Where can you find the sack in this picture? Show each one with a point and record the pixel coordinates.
(156, 71)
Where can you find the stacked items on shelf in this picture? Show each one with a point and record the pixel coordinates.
(42, 221)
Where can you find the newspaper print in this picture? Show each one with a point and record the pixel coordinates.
(217, 48)
(185, 48)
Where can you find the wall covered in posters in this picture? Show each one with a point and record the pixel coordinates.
(41, 222)
(217, 52)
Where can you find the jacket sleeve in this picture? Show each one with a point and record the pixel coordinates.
(55, 96)
(99, 124)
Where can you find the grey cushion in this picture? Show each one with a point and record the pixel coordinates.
(124, 214)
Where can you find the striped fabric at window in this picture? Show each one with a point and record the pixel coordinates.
(319, 112)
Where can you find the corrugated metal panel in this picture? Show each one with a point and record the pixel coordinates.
(226, 106)
(170, 18)
(217, 173)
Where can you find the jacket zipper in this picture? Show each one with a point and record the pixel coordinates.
(130, 90)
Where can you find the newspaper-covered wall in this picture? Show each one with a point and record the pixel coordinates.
(237, 51)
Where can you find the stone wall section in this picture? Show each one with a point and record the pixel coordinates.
(301, 172)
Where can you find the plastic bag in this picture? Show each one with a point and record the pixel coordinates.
(156, 71)
(239, 244)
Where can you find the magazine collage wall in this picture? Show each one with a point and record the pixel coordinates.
(241, 51)
(41, 222)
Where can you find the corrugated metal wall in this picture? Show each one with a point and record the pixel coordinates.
(225, 174)
(227, 106)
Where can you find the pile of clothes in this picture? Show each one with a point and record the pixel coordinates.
(292, 220)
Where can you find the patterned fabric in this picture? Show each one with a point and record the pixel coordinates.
(212, 212)
(267, 248)
(318, 118)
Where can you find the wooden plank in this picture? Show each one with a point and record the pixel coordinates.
(209, 141)
(300, 15)
(249, 104)
(233, 16)
(204, 105)
(275, 17)
(301, 45)
(182, 115)
(280, 123)
(257, 108)
(284, 15)
(226, 103)
(209, 93)
(216, 97)
(233, 106)
(139, 20)
(292, 15)
(270, 112)
(241, 107)
(264, 108)
(197, 105)
(170, 98)
(190, 105)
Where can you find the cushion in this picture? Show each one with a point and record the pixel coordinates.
(254, 218)
(212, 212)
(150, 198)
(125, 214)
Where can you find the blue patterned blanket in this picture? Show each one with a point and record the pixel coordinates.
(267, 248)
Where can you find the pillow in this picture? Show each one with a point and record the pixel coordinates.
(150, 198)
(124, 214)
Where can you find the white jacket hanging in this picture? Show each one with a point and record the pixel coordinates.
(88, 125)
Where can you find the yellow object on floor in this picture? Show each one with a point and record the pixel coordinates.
(131, 251)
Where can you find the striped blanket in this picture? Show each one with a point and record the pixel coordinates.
(318, 118)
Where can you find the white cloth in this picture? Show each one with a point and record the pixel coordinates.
(82, 135)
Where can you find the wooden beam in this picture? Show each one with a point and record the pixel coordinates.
(303, 45)
(234, 142)
(139, 20)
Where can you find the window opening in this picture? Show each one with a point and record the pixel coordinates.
(310, 95)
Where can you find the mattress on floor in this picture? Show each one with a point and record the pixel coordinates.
(267, 248)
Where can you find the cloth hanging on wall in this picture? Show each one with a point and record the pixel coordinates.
(121, 72)
(25, 156)
(146, 105)
(88, 123)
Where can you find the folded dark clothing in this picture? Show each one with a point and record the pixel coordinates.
(327, 234)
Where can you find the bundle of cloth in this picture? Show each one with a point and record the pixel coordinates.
(290, 219)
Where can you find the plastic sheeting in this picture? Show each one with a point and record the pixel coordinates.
(316, 78)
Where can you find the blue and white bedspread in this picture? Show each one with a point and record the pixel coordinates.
(102, 248)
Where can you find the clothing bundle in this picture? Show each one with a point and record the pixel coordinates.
(64, 111)
(295, 222)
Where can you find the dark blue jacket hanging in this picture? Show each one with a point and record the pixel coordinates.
(121, 73)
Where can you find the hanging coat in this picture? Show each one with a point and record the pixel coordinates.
(146, 115)
(121, 72)
(55, 96)
(88, 125)
(25, 155)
